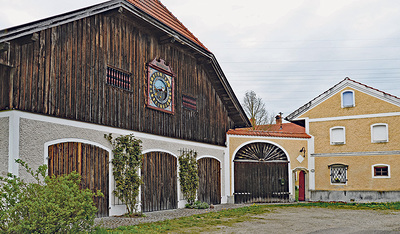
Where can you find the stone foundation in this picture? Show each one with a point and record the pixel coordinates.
(355, 196)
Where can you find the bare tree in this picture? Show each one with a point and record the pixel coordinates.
(254, 107)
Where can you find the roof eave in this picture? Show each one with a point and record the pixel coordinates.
(335, 89)
(9, 34)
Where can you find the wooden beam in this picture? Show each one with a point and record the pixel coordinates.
(5, 46)
(28, 38)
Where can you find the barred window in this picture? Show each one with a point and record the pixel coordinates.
(189, 103)
(338, 173)
(118, 78)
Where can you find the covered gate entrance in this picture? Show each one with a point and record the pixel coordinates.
(209, 181)
(159, 188)
(261, 174)
(88, 160)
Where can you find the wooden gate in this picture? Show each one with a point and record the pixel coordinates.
(261, 174)
(88, 160)
(209, 181)
(159, 188)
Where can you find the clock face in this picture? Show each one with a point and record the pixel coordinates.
(160, 90)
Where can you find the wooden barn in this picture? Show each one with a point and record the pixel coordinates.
(120, 67)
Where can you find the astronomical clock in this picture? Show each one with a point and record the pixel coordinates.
(160, 86)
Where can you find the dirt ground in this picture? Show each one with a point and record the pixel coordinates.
(318, 220)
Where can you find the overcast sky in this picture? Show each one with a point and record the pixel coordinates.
(287, 51)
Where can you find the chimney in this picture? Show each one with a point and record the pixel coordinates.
(278, 119)
(253, 122)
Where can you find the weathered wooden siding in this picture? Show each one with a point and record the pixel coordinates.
(90, 162)
(4, 87)
(63, 72)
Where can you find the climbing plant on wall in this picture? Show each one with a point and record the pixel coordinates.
(126, 163)
(188, 175)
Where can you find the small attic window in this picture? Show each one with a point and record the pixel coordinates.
(348, 99)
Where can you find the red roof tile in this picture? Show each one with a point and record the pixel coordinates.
(157, 10)
(288, 130)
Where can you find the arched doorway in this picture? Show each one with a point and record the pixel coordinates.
(90, 161)
(300, 176)
(261, 174)
(159, 188)
(302, 186)
(209, 170)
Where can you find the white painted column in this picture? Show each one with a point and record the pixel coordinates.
(13, 141)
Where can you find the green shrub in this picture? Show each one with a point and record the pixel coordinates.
(126, 163)
(49, 205)
(198, 205)
(188, 175)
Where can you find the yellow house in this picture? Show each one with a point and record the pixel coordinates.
(354, 150)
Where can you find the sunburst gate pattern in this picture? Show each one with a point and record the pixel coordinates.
(260, 152)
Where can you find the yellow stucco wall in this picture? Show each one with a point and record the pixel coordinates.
(364, 104)
(358, 140)
(359, 173)
(290, 146)
(357, 134)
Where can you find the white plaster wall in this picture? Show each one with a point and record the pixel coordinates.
(36, 131)
(34, 134)
(4, 144)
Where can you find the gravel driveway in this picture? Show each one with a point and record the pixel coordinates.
(319, 220)
(286, 220)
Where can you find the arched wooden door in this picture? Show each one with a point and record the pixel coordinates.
(209, 191)
(159, 188)
(88, 160)
(261, 174)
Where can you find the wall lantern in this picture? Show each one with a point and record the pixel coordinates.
(303, 150)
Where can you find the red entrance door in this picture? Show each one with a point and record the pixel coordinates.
(302, 186)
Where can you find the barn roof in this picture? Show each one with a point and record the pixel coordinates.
(156, 9)
(156, 14)
(285, 130)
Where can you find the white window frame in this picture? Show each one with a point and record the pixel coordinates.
(344, 135)
(372, 132)
(354, 98)
(380, 165)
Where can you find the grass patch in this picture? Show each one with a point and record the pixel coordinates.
(195, 223)
(212, 220)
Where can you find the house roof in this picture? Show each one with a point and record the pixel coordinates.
(157, 10)
(284, 130)
(347, 82)
(157, 15)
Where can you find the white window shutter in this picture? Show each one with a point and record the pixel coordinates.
(379, 133)
(337, 135)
